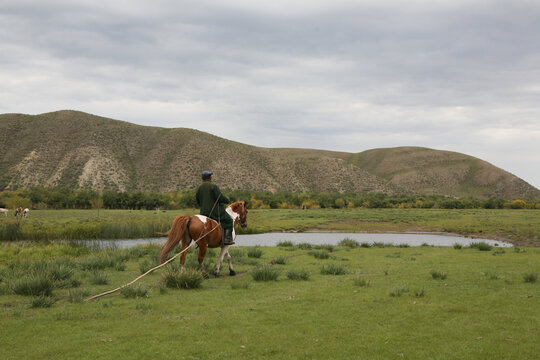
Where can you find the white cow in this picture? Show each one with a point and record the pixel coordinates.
(4, 211)
(25, 212)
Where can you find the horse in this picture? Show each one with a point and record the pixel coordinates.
(18, 211)
(208, 234)
(25, 212)
(4, 211)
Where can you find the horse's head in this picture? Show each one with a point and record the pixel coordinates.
(240, 207)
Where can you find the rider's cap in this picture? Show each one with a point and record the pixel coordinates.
(207, 174)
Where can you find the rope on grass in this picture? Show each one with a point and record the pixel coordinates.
(149, 271)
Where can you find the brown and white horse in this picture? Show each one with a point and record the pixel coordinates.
(208, 234)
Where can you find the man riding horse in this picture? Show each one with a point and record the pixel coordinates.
(212, 203)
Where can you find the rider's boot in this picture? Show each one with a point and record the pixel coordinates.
(227, 237)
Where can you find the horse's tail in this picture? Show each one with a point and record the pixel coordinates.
(175, 234)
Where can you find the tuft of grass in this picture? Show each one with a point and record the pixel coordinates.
(397, 292)
(499, 251)
(77, 295)
(134, 292)
(33, 285)
(148, 264)
(305, 246)
(482, 246)
(298, 275)
(458, 246)
(319, 254)
(285, 244)
(42, 301)
(187, 279)
(279, 261)
(365, 245)
(255, 252)
(333, 269)
(438, 275)
(530, 277)
(327, 247)
(238, 284)
(404, 245)
(265, 273)
(491, 275)
(349, 243)
(361, 282)
(98, 278)
(419, 293)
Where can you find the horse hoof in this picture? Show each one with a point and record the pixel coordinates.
(205, 275)
(232, 273)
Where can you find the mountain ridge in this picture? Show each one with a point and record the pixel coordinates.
(76, 149)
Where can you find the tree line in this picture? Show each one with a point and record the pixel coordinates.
(66, 198)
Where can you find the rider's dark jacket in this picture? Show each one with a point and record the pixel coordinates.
(206, 196)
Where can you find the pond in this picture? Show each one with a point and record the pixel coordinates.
(272, 239)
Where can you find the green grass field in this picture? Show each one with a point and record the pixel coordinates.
(354, 303)
(521, 227)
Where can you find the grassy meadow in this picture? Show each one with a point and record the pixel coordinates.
(521, 227)
(349, 301)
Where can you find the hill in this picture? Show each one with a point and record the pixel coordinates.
(75, 149)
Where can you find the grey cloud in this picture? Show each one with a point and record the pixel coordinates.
(340, 75)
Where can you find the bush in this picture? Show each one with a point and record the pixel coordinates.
(298, 275)
(305, 246)
(187, 279)
(265, 273)
(333, 269)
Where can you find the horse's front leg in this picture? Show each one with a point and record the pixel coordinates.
(231, 270)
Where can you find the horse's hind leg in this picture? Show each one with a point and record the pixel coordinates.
(202, 252)
(185, 245)
(224, 251)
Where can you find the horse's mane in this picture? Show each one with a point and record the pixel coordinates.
(235, 204)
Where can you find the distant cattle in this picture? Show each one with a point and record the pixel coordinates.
(25, 212)
(18, 211)
(4, 211)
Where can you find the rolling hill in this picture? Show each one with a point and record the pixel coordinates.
(75, 149)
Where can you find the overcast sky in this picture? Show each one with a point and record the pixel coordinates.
(459, 75)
